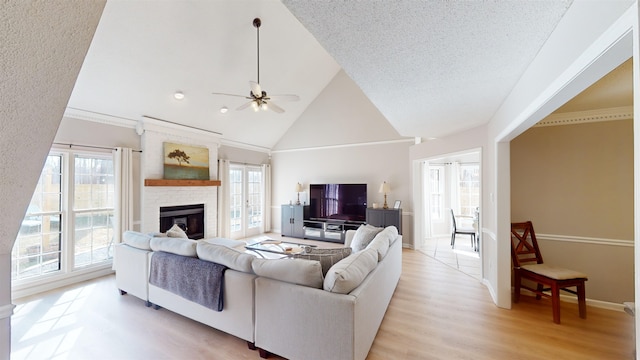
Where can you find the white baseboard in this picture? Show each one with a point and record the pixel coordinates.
(572, 299)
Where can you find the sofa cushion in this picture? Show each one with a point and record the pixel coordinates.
(381, 244)
(178, 246)
(224, 255)
(137, 240)
(295, 271)
(176, 232)
(326, 257)
(391, 233)
(363, 237)
(227, 242)
(349, 272)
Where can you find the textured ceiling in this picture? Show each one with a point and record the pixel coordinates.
(431, 68)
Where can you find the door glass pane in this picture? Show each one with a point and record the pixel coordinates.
(254, 198)
(469, 188)
(93, 206)
(37, 249)
(235, 184)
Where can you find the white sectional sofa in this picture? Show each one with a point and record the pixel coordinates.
(295, 308)
(132, 263)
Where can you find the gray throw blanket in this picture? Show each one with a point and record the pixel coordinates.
(191, 278)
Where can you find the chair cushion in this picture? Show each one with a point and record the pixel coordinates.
(553, 272)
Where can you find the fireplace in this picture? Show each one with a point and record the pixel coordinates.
(188, 217)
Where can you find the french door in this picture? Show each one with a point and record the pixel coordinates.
(246, 200)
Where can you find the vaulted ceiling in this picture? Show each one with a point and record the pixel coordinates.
(430, 68)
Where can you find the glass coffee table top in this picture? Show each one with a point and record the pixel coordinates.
(285, 248)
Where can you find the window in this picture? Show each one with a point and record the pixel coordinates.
(469, 188)
(69, 222)
(93, 206)
(37, 250)
(436, 181)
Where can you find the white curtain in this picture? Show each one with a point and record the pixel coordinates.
(454, 187)
(266, 173)
(223, 199)
(123, 217)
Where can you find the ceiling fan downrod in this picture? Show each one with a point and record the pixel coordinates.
(256, 24)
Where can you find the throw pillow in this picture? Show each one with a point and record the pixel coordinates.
(178, 246)
(176, 232)
(295, 271)
(349, 272)
(326, 257)
(363, 237)
(381, 244)
(137, 240)
(223, 255)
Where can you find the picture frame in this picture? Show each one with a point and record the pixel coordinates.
(185, 162)
(397, 204)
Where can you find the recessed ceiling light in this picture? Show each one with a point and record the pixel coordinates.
(178, 95)
(224, 109)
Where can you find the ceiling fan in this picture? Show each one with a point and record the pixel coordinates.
(259, 100)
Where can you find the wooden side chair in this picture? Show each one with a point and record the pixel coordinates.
(463, 231)
(528, 264)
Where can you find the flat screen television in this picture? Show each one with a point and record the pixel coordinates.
(347, 202)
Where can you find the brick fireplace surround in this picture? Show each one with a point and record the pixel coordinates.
(153, 197)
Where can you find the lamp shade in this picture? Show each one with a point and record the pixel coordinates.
(298, 187)
(384, 188)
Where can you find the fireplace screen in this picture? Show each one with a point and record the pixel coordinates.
(189, 217)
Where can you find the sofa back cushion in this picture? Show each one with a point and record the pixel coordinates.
(380, 244)
(137, 240)
(295, 271)
(349, 272)
(178, 246)
(326, 257)
(363, 237)
(224, 255)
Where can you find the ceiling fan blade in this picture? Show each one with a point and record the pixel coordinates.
(242, 96)
(275, 108)
(256, 90)
(285, 97)
(245, 105)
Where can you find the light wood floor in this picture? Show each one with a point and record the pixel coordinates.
(436, 313)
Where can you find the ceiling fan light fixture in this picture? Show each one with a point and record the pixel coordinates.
(264, 106)
(255, 106)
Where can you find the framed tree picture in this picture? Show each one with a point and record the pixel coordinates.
(182, 162)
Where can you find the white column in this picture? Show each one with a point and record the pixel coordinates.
(6, 308)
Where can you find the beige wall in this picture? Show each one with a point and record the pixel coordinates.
(575, 183)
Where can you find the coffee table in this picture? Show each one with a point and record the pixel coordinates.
(283, 248)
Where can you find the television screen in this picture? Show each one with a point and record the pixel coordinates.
(346, 202)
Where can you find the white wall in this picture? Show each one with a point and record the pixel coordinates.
(343, 138)
(577, 54)
(365, 163)
(40, 65)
